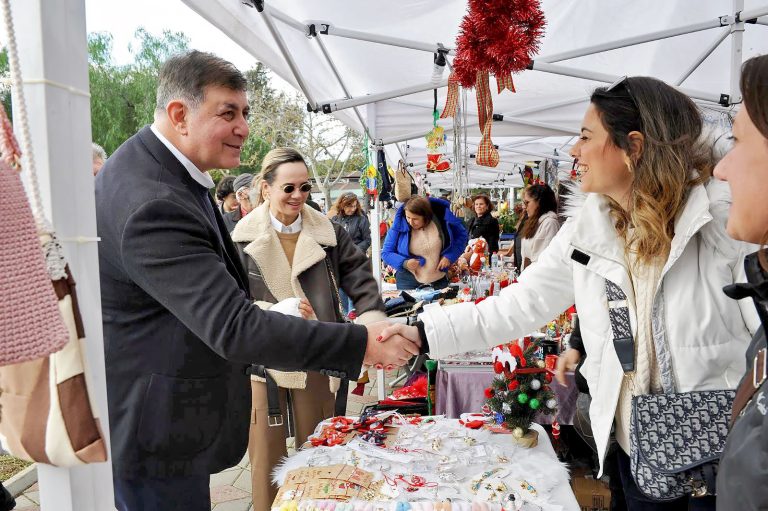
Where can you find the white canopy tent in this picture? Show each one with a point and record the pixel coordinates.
(370, 65)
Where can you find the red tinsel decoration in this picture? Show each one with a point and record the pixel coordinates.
(498, 37)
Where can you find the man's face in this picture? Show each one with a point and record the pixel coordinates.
(97, 164)
(217, 129)
(230, 202)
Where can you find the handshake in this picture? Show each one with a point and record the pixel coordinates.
(391, 345)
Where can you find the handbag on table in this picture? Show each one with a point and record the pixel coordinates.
(676, 439)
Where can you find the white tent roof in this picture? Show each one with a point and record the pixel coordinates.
(550, 100)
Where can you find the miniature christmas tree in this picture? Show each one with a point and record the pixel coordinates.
(520, 389)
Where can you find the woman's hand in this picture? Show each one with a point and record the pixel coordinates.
(445, 263)
(412, 265)
(306, 310)
(567, 361)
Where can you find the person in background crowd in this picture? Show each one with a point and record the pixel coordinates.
(291, 251)
(242, 186)
(424, 240)
(225, 194)
(743, 470)
(540, 224)
(484, 224)
(99, 157)
(653, 219)
(180, 327)
(350, 216)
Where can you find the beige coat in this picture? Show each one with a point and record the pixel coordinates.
(325, 258)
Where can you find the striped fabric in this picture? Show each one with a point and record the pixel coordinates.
(452, 101)
(505, 82)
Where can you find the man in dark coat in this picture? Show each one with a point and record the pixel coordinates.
(179, 327)
(242, 186)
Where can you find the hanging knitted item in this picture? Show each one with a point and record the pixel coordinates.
(498, 37)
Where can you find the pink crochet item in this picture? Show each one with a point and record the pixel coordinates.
(30, 323)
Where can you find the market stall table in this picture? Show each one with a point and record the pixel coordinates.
(424, 464)
(460, 390)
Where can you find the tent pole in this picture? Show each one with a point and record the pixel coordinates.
(631, 41)
(762, 21)
(753, 13)
(286, 54)
(323, 28)
(525, 111)
(54, 53)
(336, 73)
(703, 56)
(737, 37)
(334, 105)
(607, 78)
(280, 15)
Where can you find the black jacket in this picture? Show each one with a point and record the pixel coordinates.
(487, 227)
(231, 218)
(358, 227)
(743, 471)
(179, 326)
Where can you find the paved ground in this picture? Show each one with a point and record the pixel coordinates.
(231, 489)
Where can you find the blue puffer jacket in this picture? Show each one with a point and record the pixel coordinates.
(395, 251)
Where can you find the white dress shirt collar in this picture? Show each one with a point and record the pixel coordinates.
(203, 178)
(287, 229)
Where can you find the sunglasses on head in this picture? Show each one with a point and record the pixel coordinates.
(303, 188)
(623, 81)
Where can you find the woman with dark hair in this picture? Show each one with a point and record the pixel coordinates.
(647, 244)
(541, 222)
(484, 224)
(349, 214)
(742, 473)
(424, 240)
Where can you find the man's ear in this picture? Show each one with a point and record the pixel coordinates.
(177, 114)
(636, 145)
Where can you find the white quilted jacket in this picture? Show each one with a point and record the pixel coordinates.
(699, 333)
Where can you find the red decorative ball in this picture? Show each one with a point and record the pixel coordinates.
(548, 377)
(498, 367)
(489, 393)
(513, 385)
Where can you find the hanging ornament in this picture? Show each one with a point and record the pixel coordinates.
(489, 392)
(499, 37)
(540, 364)
(548, 377)
(518, 432)
(486, 409)
(513, 385)
(522, 398)
(535, 384)
(534, 404)
(498, 367)
(499, 418)
(506, 408)
(551, 403)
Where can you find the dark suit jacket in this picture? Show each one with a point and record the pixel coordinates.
(179, 326)
(231, 218)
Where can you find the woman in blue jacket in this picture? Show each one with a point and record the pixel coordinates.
(424, 240)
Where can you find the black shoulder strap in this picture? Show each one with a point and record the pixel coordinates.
(618, 312)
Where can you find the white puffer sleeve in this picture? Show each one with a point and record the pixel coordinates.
(542, 292)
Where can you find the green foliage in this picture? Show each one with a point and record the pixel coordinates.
(123, 96)
(508, 222)
(5, 87)
(519, 412)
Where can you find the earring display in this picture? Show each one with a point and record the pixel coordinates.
(394, 463)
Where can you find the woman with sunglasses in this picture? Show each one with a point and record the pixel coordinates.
(291, 251)
(425, 239)
(742, 473)
(652, 225)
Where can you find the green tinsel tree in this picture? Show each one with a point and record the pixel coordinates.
(518, 393)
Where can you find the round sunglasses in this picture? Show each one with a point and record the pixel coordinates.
(303, 188)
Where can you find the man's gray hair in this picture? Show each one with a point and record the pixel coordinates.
(98, 152)
(185, 77)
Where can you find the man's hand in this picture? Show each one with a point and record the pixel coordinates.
(387, 352)
(444, 263)
(567, 361)
(306, 310)
(412, 265)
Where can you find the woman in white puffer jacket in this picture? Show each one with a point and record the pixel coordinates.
(653, 224)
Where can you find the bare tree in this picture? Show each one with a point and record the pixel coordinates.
(332, 150)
